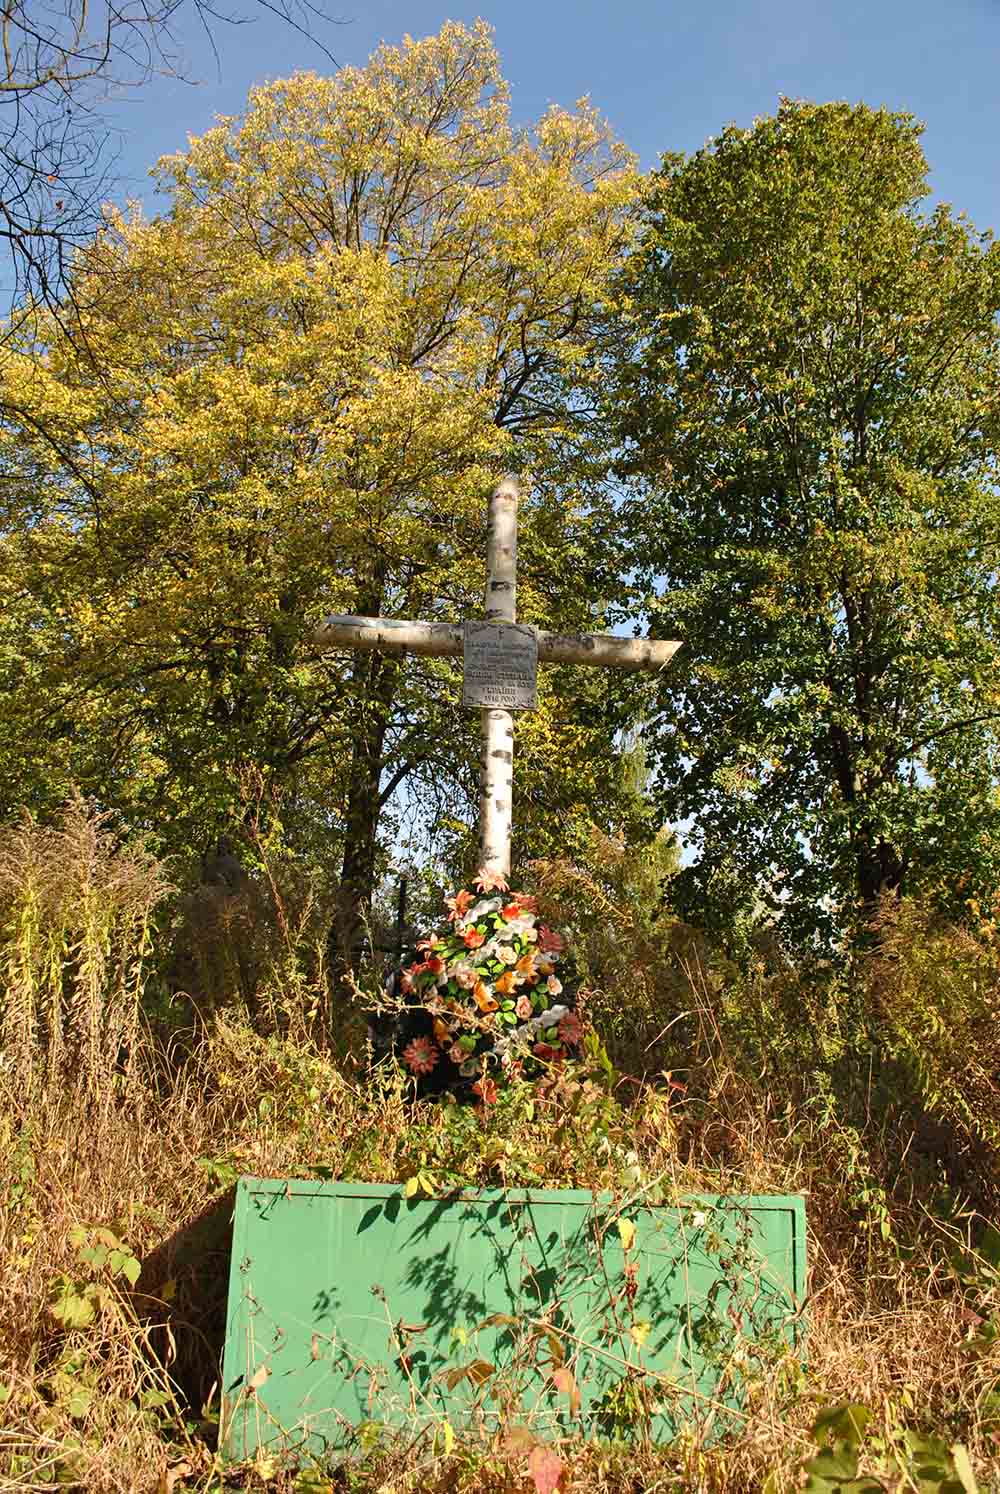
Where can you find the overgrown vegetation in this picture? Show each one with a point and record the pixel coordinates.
(866, 1085)
(289, 395)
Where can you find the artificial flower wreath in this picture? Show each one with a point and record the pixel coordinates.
(496, 992)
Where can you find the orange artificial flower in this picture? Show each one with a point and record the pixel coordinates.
(505, 985)
(458, 904)
(525, 965)
(484, 1000)
(473, 938)
(490, 881)
(512, 910)
(441, 1032)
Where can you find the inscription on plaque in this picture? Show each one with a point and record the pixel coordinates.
(500, 666)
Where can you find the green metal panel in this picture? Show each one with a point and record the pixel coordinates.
(352, 1307)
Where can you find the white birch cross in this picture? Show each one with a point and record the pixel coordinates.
(512, 645)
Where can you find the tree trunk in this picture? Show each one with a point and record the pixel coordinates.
(880, 869)
(375, 679)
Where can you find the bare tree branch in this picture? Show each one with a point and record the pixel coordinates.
(61, 63)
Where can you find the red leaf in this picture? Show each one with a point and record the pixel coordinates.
(546, 1469)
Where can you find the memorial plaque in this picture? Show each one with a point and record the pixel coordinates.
(500, 666)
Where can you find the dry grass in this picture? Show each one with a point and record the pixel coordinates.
(901, 1306)
(76, 915)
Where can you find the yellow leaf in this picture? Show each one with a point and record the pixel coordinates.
(639, 1332)
(626, 1231)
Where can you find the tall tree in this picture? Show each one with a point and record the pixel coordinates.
(809, 413)
(296, 390)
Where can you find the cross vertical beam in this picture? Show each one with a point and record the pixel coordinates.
(496, 760)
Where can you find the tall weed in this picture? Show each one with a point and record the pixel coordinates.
(76, 944)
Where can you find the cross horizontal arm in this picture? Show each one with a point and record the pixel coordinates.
(443, 640)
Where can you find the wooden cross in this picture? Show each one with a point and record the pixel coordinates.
(508, 649)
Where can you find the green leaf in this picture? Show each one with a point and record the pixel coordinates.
(74, 1310)
(963, 1469)
(847, 1422)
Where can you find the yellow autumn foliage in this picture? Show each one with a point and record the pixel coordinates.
(287, 396)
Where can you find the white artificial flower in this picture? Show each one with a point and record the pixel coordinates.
(698, 1218)
(507, 953)
(486, 905)
(524, 925)
(553, 986)
(464, 975)
(552, 1017)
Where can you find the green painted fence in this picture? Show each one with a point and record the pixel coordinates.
(353, 1310)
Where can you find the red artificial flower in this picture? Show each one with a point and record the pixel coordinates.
(421, 1055)
(486, 1089)
(472, 938)
(571, 1029)
(550, 941)
(490, 881)
(545, 1050)
(434, 965)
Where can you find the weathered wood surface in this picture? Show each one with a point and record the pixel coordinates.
(444, 640)
(496, 752)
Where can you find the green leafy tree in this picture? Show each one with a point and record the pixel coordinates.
(808, 409)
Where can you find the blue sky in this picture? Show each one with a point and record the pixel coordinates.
(668, 74)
